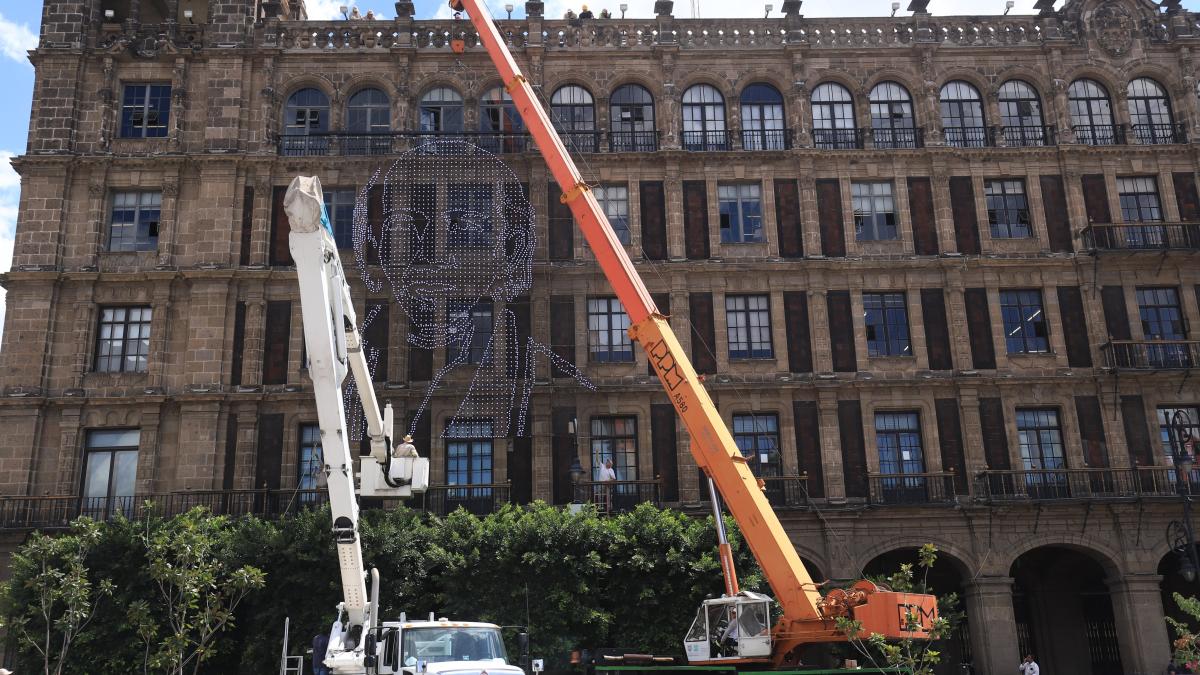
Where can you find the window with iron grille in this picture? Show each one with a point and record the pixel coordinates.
(1091, 113)
(1008, 210)
(110, 472)
(339, 205)
(757, 436)
(307, 112)
(614, 200)
(962, 115)
(469, 320)
(1021, 113)
(608, 331)
(1040, 439)
(874, 211)
(133, 221)
(741, 213)
(469, 453)
(145, 110)
(615, 438)
(892, 121)
(703, 118)
(886, 319)
(748, 319)
(310, 462)
(762, 118)
(123, 340)
(1025, 328)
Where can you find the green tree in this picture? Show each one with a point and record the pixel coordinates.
(1187, 642)
(54, 595)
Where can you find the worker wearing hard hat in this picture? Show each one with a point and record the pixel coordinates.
(405, 449)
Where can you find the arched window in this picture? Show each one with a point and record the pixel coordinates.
(1091, 113)
(574, 114)
(834, 127)
(1021, 115)
(503, 130)
(441, 111)
(631, 120)
(306, 123)
(1150, 112)
(892, 122)
(368, 113)
(962, 115)
(704, 119)
(763, 126)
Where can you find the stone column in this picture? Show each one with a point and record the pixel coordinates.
(148, 451)
(252, 349)
(247, 446)
(69, 449)
(85, 318)
(197, 449)
(994, 644)
(831, 445)
(818, 312)
(1141, 630)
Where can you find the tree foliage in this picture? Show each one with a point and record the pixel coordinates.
(1187, 642)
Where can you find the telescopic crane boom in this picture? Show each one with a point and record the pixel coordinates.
(807, 616)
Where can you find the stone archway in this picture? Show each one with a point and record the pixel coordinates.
(947, 577)
(1064, 611)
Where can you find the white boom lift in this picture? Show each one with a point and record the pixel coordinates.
(359, 643)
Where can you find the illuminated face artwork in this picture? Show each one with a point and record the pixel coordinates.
(451, 231)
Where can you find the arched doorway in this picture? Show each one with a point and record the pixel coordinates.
(1173, 581)
(1064, 613)
(947, 576)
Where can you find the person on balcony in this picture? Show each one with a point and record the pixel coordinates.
(586, 13)
(608, 476)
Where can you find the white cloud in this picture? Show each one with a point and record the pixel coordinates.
(16, 39)
(10, 195)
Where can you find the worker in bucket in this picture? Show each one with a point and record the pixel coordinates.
(405, 449)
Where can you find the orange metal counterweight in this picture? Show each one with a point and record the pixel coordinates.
(807, 617)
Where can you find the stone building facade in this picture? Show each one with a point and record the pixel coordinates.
(939, 273)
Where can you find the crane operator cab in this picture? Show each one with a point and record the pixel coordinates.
(731, 628)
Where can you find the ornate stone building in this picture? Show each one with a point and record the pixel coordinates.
(940, 273)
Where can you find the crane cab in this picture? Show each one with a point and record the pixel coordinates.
(731, 628)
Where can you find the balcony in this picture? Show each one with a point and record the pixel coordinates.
(1099, 134)
(632, 141)
(1142, 236)
(1159, 134)
(1074, 484)
(897, 139)
(712, 140)
(480, 500)
(787, 492)
(838, 139)
(1151, 354)
(349, 144)
(581, 141)
(617, 496)
(766, 139)
(1028, 137)
(969, 137)
(890, 489)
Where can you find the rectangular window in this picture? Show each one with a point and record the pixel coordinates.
(1008, 210)
(1040, 438)
(886, 318)
(901, 457)
(470, 325)
(741, 213)
(469, 213)
(757, 436)
(608, 331)
(1190, 417)
(145, 110)
(614, 201)
(749, 325)
(469, 458)
(874, 211)
(1139, 199)
(310, 464)
(339, 205)
(1025, 327)
(1162, 321)
(123, 339)
(110, 472)
(615, 439)
(133, 221)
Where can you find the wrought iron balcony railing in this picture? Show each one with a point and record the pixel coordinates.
(632, 141)
(912, 488)
(787, 492)
(1151, 354)
(1063, 484)
(709, 140)
(617, 496)
(392, 143)
(1159, 134)
(1028, 136)
(480, 499)
(897, 138)
(766, 139)
(1145, 236)
(1099, 134)
(581, 141)
(838, 139)
(969, 137)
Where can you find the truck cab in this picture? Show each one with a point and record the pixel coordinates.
(442, 647)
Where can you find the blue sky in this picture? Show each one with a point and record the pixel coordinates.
(19, 21)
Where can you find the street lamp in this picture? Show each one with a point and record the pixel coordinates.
(624, 7)
(1180, 535)
(509, 8)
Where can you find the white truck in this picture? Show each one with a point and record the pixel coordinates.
(359, 643)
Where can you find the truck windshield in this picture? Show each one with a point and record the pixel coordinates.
(433, 645)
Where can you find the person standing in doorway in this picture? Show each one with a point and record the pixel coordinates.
(1029, 666)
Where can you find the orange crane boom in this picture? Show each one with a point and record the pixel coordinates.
(806, 615)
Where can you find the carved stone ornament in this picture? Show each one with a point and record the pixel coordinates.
(1113, 27)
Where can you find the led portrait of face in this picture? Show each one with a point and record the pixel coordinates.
(454, 245)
